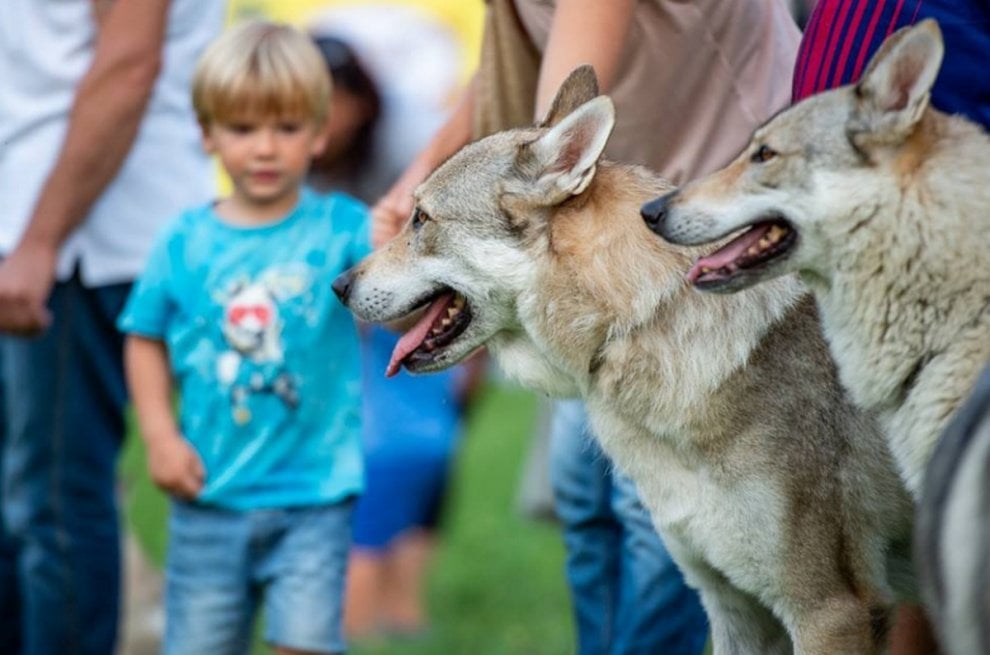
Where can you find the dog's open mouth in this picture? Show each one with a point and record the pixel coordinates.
(761, 243)
(446, 317)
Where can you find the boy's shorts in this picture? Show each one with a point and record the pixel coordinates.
(222, 565)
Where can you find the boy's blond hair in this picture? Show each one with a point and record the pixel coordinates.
(261, 69)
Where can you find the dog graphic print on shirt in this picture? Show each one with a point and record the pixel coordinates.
(252, 326)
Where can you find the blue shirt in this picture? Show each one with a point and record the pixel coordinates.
(265, 357)
(407, 418)
(842, 35)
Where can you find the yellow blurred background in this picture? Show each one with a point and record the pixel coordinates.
(463, 17)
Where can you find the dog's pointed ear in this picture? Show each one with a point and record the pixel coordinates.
(563, 160)
(580, 87)
(894, 91)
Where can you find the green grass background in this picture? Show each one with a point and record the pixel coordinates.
(497, 584)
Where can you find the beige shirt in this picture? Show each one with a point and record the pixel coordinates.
(696, 78)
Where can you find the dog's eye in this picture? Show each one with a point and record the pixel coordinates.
(418, 218)
(763, 154)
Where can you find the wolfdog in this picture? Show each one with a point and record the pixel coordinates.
(882, 204)
(777, 499)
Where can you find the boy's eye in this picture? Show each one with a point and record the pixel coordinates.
(289, 127)
(763, 154)
(240, 128)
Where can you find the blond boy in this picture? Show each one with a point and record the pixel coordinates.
(235, 306)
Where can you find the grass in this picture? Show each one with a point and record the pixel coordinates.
(497, 587)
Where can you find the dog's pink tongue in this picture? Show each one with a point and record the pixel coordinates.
(411, 340)
(728, 253)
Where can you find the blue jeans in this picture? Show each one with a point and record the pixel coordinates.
(64, 401)
(629, 597)
(222, 564)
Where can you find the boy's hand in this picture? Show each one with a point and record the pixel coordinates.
(176, 467)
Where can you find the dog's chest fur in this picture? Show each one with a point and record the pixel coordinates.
(907, 309)
(724, 410)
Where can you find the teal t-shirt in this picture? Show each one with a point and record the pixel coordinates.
(264, 356)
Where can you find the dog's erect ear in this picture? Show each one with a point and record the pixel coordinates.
(563, 160)
(579, 87)
(894, 91)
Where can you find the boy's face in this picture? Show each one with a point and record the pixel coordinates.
(266, 158)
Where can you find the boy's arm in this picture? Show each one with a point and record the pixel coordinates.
(173, 464)
(106, 113)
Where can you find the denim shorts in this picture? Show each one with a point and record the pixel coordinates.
(222, 565)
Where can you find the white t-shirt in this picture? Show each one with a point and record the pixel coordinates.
(46, 47)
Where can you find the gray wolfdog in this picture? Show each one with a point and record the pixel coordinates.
(777, 499)
(882, 203)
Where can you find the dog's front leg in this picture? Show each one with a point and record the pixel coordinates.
(740, 624)
(843, 625)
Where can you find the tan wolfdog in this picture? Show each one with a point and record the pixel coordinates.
(883, 205)
(777, 499)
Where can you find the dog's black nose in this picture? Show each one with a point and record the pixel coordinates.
(342, 285)
(655, 211)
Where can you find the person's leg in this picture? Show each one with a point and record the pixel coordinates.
(210, 601)
(10, 595)
(302, 574)
(657, 612)
(65, 408)
(581, 487)
(407, 561)
(364, 594)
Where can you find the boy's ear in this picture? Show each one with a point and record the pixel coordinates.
(579, 87)
(321, 140)
(894, 91)
(563, 160)
(209, 145)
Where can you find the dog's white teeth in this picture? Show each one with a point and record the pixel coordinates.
(755, 249)
(453, 311)
(445, 322)
(459, 301)
(775, 233)
(706, 269)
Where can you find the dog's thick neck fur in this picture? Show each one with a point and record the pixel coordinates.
(906, 309)
(604, 269)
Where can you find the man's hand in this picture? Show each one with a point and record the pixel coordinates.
(387, 216)
(391, 211)
(26, 279)
(175, 466)
(106, 113)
